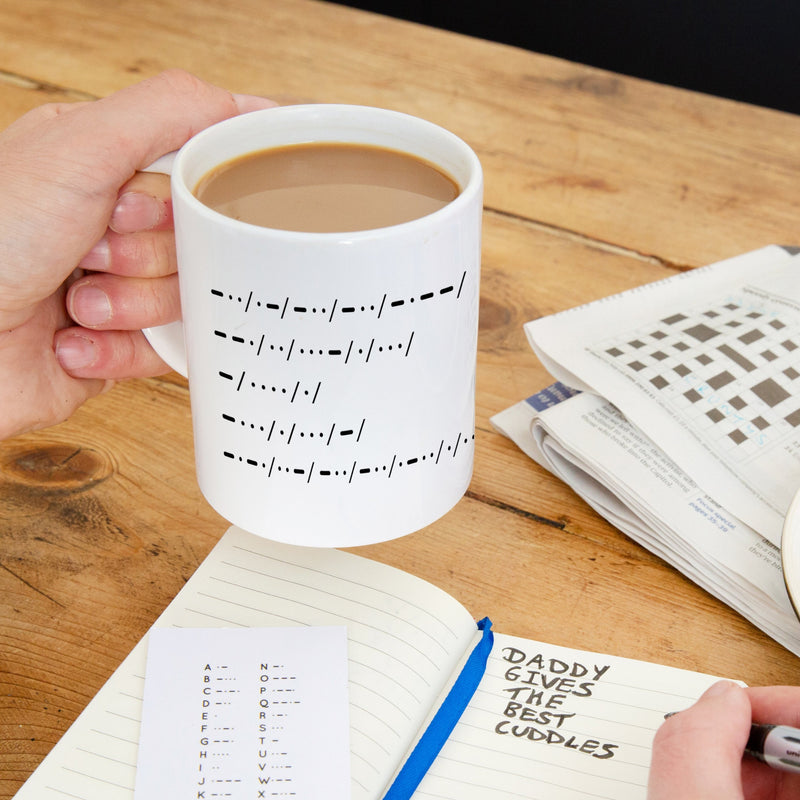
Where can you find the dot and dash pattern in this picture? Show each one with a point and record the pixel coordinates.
(275, 466)
(377, 307)
(284, 427)
(363, 350)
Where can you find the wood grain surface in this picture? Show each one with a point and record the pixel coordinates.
(594, 183)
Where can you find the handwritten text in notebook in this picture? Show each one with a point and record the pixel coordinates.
(542, 696)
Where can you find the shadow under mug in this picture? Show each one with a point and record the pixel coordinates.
(331, 375)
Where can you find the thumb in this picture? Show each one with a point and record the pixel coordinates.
(697, 753)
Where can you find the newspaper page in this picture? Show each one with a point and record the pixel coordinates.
(626, 478)
(707, 365)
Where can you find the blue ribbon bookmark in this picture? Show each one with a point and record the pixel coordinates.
(445, 719)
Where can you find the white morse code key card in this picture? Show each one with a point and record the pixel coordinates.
(245, 713)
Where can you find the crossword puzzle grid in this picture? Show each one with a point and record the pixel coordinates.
(732, 371)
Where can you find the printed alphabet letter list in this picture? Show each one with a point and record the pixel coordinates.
(244, 713)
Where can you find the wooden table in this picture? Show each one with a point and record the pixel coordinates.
(594, 183)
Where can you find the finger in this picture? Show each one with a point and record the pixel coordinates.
(778, 705)
(149, 254)
(107, 355)
(110, 302)
(140, 240)
(143, 204)
(697, 753)
(250, 102)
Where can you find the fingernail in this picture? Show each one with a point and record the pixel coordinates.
(98, 258)
(136, 211)
(719, 688)
(75, 352)
(251, 102)
(89, 306)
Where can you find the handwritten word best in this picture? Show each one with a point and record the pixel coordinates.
(539, 687)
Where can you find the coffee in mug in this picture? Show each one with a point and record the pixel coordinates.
(326, 188)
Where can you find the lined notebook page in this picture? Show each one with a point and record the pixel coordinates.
(405, 638)
(580, 726)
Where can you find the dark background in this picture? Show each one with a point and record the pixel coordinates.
(742, 49)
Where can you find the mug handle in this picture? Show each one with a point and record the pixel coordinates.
(168, 340)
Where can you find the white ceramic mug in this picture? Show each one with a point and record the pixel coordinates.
(331, 375)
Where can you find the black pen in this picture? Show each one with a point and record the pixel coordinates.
(775, 745)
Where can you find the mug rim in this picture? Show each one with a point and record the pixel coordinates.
(228, 129)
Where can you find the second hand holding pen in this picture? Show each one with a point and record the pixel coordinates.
(777, 746)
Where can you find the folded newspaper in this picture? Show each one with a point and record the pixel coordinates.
(676, 415)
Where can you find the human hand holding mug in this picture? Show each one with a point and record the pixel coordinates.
(331, 371)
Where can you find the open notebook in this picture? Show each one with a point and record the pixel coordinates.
(545, 721)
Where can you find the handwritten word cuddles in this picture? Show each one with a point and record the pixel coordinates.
(538, 689)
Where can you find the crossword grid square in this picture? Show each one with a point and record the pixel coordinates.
(659, 381)
(770, 392)
(701, 332)
(735, 355)
(720, 380)
(751, 336)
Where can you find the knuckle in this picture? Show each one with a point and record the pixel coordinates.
(49, 111)
(182, 82)
(146, 254)
(154, 300)
(166, 300)
(120, 353)
(154, 183)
